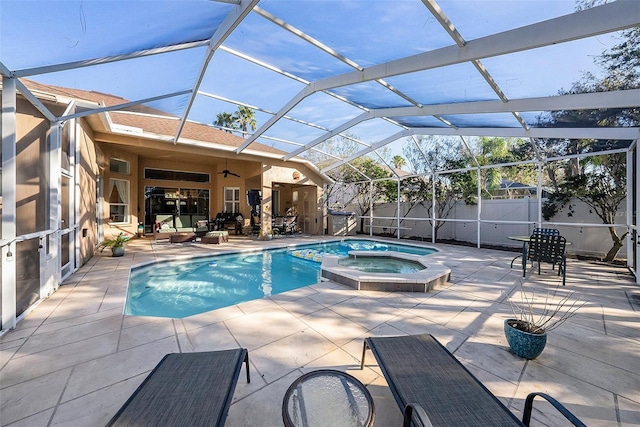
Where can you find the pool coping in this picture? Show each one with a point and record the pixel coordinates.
(434, 273)
(425, 286)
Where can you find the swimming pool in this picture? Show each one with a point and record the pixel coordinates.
(179, 289)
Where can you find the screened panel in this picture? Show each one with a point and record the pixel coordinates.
(427, 53)
(88, 30)
(27, 259)
(443, 85)
(365, 31)
(273, 45)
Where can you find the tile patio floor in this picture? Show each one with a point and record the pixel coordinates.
(76, 358)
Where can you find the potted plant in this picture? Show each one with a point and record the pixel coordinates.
(116, 244)
(534, 316)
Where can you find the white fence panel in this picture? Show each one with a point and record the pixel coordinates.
(585, 240)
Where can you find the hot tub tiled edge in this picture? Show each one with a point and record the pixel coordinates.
(422, 281)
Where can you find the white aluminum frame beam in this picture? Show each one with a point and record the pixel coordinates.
(630, 133)
(318, 44)
(8, 253)
(460, 41)
(235, 17)
(26, 72)
(587, 23)
(123, 106)
(581, 101)
(29, 96)
(358, 119)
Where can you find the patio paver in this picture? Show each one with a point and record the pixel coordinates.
(76, 358)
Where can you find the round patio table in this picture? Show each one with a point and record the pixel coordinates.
(327, 398)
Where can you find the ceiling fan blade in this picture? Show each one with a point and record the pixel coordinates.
(234, 174)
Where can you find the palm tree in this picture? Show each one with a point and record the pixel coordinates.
(245, 118)
(398, 161)
(226, 121)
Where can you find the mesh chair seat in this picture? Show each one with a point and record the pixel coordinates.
(549, 248)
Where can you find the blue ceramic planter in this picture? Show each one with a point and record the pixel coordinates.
(117, 251)
(524, 344)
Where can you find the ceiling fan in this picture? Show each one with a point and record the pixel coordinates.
(226, 172)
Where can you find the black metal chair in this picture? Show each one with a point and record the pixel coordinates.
(185, 389)
(548, 248)
(433, 388)
(278, 225)
(255, 224)
(546, 231)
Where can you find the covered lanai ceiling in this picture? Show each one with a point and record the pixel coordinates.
(376, 72)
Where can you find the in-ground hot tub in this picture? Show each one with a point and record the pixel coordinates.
(385, 271)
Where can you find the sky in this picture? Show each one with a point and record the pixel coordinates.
(45, 33)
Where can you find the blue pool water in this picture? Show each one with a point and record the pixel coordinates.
(179, 289)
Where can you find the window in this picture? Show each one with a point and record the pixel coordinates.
(119, 166)
(118, 200)
(232, 199)
(169, 175)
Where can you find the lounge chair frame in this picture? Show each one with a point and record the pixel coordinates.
(185, 389)
(433, 388)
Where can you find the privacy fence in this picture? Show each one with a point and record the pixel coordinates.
(494, 221)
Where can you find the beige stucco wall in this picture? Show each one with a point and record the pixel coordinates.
(266, 174)
(31, 169)
(300, 189)
(88, 174)
(112, 229)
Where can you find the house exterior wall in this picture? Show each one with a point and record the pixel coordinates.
(88, 175)
(31, 161)
(301, 191)
(113, 228)
(263, 175)
(74, 176)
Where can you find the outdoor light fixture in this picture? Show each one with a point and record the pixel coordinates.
(9, 255)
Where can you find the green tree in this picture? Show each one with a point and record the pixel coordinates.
(602, 188)
(426, 156)
(363, 191)
(398, 161)
(600, 181)
(493, 151)
(245, 119)
(226, 121)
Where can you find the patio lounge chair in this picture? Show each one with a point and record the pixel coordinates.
(185, 389)
(548, 248)
(433, 388)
